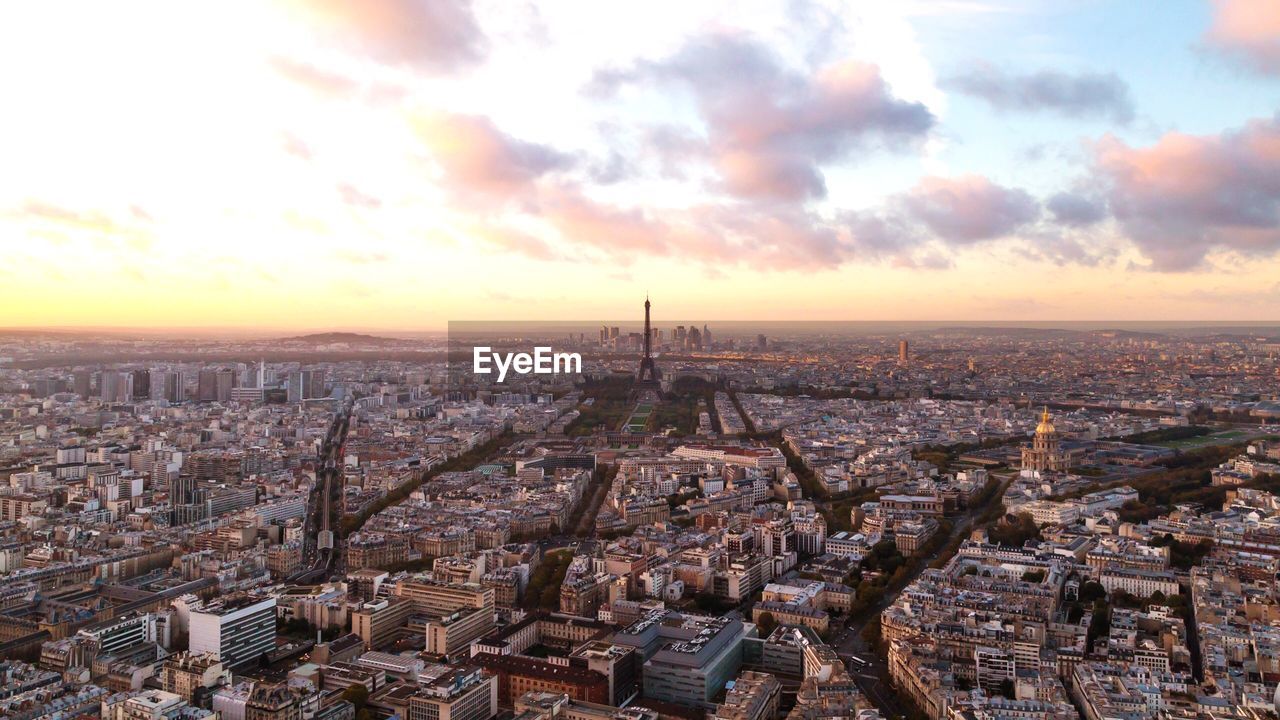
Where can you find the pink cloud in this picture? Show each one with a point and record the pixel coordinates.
(1248, 30)
(508, 240)
(478, 158)
(970, 208)
(716, 235)
(616, 231)
(1189, 194)
(356, 197)
(769, 129)
(432, 35)
(315, 79)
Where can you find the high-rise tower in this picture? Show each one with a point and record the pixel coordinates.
(648, 374)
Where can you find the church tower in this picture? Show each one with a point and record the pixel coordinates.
(1045, 453)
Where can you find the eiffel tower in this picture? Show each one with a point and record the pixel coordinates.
(647, 377)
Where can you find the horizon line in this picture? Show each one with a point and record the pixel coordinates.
(442, 328)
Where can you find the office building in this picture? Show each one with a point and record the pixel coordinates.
(378, 623)
(463, 693)
(207, 385)
(689, 658)
(175, 386)
(82, 382)
(238, 630)
(119, 635)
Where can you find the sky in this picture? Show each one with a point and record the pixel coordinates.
(399, 164)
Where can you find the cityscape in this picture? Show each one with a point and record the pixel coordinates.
(702, 522)
(559, 360)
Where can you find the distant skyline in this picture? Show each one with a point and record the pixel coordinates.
(722, 328)
(396, 164)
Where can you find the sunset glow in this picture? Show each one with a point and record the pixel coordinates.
(396, 165)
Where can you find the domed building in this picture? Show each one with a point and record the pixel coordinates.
(1045, 452)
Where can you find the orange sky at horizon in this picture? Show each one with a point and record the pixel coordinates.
(300, 164)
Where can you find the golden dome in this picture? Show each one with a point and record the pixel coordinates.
(1046, 425)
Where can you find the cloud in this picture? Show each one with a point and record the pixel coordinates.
(320, 81)
(969, 208)
(1247, 31)
(779, 239)
(769, 129)
(509, 240)
(435, 36)
(1187, 195)
(921, 228)
(1077, 210)
(1235, 296)
(478, 158)
(614, 167)
(1086, 95)
(354, 197)
(295, 146)
(133, 229)
(617, 231)
(764, 236)
(884, 235)
(712, 234)
(1050, 245)
(359, 257)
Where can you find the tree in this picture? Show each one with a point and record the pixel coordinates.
(550, 598)
(357, 695)
(1014, 530)
(766, 623)
(1074, 613)
(1100, 623)
(706, 601)
(1091, 591)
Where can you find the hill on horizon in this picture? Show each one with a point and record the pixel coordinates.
(341, 337)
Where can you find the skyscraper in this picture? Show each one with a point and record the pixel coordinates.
(141, 384)
(226, 379)
(81, 382)
(115, 386)
(902, 351)
(305, 384)
(207, 385)
(108, 385)
(156, 384)
(316, 384)
(175, 386)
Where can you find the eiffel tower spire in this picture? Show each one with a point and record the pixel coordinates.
(648, 373)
